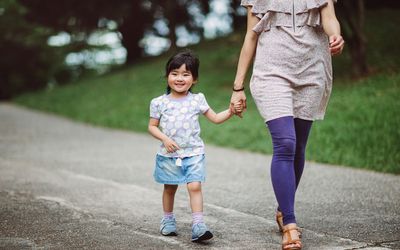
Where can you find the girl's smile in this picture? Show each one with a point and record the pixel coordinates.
(180, 81)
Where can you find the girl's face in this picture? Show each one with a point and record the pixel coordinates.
(180, 80)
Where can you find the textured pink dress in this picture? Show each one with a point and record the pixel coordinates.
(292, 70)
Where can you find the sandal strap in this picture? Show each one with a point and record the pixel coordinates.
(292, 228)
(290, 240)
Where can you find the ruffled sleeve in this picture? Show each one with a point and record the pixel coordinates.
(316, 4)
(246, 3)
(273, 13)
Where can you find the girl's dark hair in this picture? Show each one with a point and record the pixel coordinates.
(186, 57)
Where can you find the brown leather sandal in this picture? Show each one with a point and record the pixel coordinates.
(296, 244)
(279, 222)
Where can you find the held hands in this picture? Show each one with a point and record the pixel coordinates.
(336, 44)
(238, 103)
(170, 145)
(238, 107)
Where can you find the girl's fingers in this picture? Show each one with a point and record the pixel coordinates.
(232, 108)
(172, 147)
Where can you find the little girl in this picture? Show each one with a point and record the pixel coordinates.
(180, 159)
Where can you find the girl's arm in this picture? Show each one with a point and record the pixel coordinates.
(218, 118)
(169, 144)
(245, 59)
(332, 28)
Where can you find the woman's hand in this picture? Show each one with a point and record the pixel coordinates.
(336, 44)
(238, 97)
(170, 145)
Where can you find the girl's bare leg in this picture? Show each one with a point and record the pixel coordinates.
(196, 196)
(169, 197)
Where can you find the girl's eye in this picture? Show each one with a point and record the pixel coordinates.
(186, 74)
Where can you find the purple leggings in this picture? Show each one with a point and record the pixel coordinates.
(289, 139)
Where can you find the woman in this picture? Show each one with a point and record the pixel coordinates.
(292, 41)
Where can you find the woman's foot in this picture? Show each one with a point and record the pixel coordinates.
(290, 237)
(279, 222)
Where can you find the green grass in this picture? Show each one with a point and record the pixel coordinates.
(361, 127)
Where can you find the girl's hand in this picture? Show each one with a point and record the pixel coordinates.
(336, 44)
(170, 145)
(238, 97)
(238, 106)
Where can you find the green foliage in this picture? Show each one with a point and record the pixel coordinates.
(26, 60)
(361, 127)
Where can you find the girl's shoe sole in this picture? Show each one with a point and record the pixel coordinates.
(170, 234)
(206, 236)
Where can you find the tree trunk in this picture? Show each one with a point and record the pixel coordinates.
(352, 16)
(132, 29)
(238, 21)
(132, 32)
(170, 8)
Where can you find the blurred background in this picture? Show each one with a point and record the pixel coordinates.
(101, 62)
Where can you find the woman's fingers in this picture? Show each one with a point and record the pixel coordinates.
(336, 44)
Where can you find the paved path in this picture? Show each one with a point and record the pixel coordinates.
(67, 185)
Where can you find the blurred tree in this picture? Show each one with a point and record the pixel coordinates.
(132, 24)
(181, 13)
(26, 61)
(373, 4)
(238, 20)
(29, 63)
(81, 18)
(133, 18)
(351, 14)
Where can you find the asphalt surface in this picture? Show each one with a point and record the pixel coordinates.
(68, 185)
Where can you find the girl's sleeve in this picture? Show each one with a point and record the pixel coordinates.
(155, 109)
(203, 105)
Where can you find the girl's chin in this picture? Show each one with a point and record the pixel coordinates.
(181, 91)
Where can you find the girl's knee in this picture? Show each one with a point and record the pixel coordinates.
(194, 186)
(170, 188)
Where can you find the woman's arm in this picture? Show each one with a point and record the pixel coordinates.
(169, 144)
(245, 59)
(218, 118)
(332, 28)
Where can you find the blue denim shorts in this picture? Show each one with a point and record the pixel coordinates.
(192, 169)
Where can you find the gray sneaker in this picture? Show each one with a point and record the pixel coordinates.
(168, 227)
(200, 232)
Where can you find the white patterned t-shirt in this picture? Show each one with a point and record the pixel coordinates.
(179, 120)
